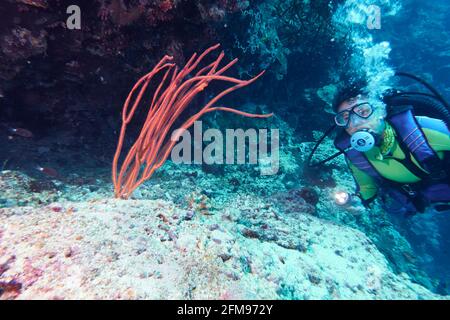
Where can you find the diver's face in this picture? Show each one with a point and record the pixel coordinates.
(374, 122)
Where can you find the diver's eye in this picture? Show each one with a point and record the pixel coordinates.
(345, 116)
(363, 110)
(342, 118)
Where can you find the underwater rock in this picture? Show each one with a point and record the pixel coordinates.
(215, 169)
(41, 185)
(319, 177)
(114, 231)
(189, 215)
(327, 94)
(297, 201)
(9, 290)
(309, 194)
(21, 43)
(249, 233)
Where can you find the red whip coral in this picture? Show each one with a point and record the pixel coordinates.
(171, 97)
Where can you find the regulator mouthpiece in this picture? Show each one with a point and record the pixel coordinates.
(362, 141)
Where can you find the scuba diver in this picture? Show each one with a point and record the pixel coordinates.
(397, 147)
(393, 153)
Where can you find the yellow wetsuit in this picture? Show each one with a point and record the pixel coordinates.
(385, 160)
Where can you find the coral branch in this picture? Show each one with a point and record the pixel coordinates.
(170, 99)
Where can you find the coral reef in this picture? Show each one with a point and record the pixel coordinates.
(149, 150)
(293, 195)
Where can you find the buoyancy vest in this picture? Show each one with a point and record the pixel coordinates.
(434, 186)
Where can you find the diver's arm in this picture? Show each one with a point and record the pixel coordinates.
(438, 137)
(436, 132)
(439, 141)
(366, 186)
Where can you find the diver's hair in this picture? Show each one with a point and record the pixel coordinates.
(347, 91)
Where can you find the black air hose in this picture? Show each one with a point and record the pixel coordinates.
(423, 105)
(426, 84)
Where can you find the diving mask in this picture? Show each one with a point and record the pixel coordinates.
(362, 110)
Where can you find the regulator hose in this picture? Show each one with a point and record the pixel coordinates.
(423, 105)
